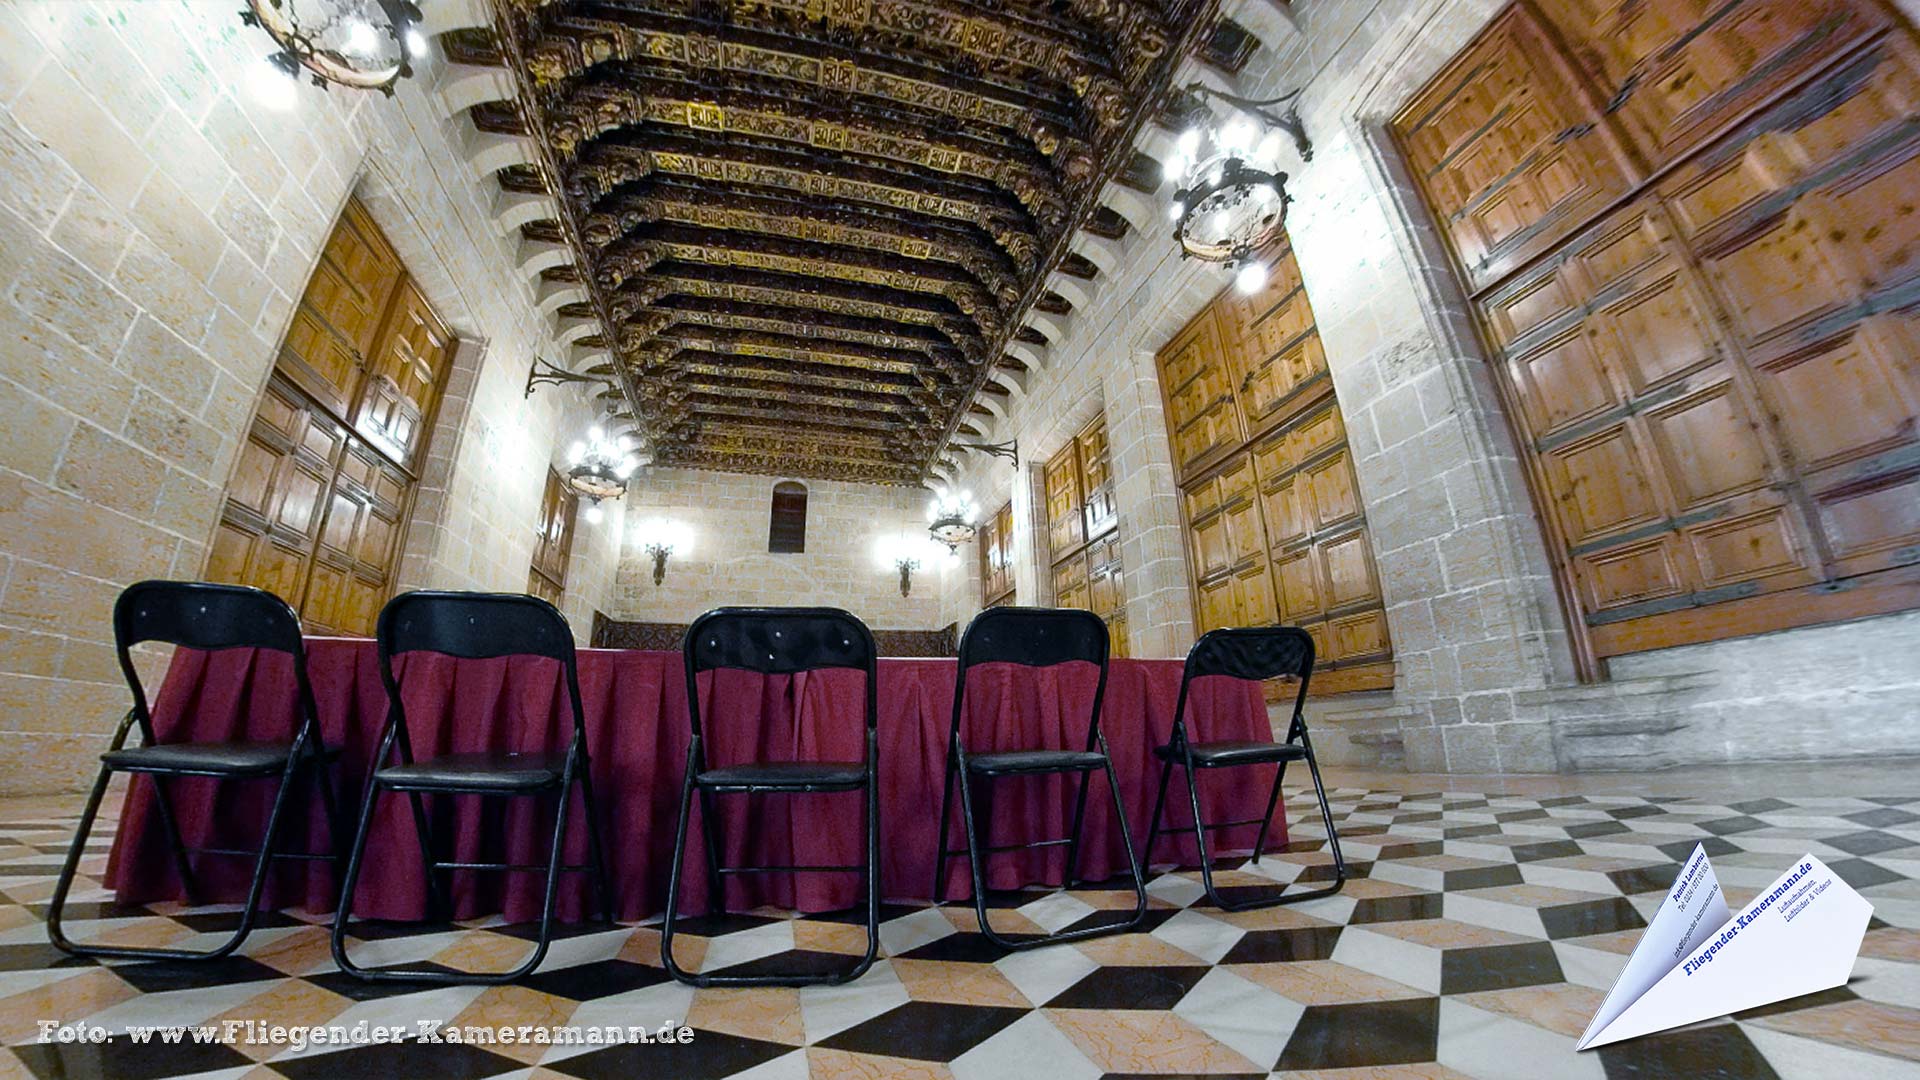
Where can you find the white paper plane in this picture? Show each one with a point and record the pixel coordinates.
(1699, 960)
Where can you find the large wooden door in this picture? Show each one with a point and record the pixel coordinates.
(1276, 530)
(1083, 541)
(553, 549)
(317, 507)
(1714, 376)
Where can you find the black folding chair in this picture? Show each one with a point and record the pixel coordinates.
(474, 626)
(1256, 653)
(196, 615)
(774, 641)
(1034, 637)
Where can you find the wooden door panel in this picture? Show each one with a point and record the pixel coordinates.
(1709, 444)
(1511, 155)
(1299, 588)
(1600, 484)
(1286, 519)
(1253, 595)
(1562, 382)
(1677, 71)
(1213, 546)
(1201, 415)
(1349, 569)
(1358, 636)
(1630, 573)
(1218, 605)
(1751, 547)
(1335, 497)
(403, 377)
(1061, 477)
(1096, 476)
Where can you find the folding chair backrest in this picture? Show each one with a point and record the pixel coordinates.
(1256, 653)
(778, 641)
(476, 626)
(1034, 637)
(205, 616)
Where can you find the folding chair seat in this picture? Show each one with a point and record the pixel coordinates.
(474, 626)
(1036, 638)
(1256, 654)
(774, 641)
(206, 617)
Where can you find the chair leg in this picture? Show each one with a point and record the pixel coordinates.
(710, 836)
(439, 903)
(976, 868)
(939, 893)
(1126, 841)
(263, 860)
(344, 909)
(673, 881)
(1266, 820)
(56, 907)
(1333, 836)
(189, 885)
(1200, 838)
(1159, 804)
(603, 884)
(1073, 836)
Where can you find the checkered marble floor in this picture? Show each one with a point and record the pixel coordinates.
(1476, 939)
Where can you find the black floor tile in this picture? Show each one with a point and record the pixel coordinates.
(925, 1030)
(1363, 1034)
(603, 978)
(1381, 909)
(1681, 850)
(1499, 967)
(792, 962)
(1887, 818)
(1862, 874)
(1551, 849)
(453, 1061)
(159, 976)
(1585, 830)
(1482, 877)
(1719, 1052)
(1732, 826)
(708, 1056)
(1591, 917)
(1871, 842)
(123, 1059)
(1155, 987)
(1280, 946)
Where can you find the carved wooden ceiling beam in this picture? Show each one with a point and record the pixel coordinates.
(810, 325)
(617, 99)
(660, 199)
(795, 291)
(997, 78)
(648, 246)
(617, 159)
(763, 370)
(778, 350)
(889, 410)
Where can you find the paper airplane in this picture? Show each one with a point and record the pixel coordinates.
(1699, 960)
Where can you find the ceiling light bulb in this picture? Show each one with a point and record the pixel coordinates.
(1251, 276)
(1176, 211)
(594, 514)
(416, 43)
(576, 452)
(596, 434)
(271, 85)
(361, 37)
(1189, 142)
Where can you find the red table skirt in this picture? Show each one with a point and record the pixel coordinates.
(637, 739)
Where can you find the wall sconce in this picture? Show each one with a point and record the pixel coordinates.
(661, 538)
(906, 552)
(907, 564)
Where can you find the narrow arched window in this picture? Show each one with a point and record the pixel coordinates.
(788, 532)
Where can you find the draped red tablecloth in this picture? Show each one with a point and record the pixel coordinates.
(637, 735)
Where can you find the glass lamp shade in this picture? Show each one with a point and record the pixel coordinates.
(363, 44)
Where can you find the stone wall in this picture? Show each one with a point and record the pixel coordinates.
(726, 516)
(1485, 677)
(156, 227)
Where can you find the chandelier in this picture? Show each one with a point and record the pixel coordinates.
(950, 518)
(1232, 200)
(363, 44)
(600, 467)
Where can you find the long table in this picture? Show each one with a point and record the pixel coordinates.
(637, 736)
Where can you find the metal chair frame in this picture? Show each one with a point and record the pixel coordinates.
(727, 644)
(206, 617)
(467, 625)
(1075, 636)
(1258, 654)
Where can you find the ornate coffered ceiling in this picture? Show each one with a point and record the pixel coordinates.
(818, 237)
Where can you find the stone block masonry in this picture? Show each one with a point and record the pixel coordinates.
(157, 226)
